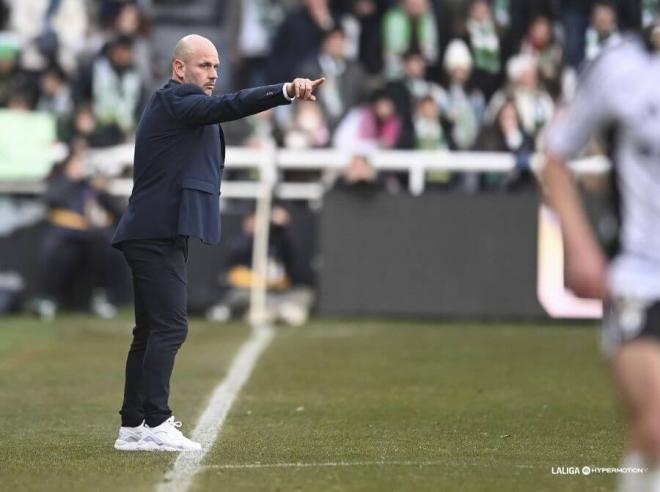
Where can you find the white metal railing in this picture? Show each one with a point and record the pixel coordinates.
(267, 162)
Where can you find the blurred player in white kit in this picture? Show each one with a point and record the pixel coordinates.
(619, 93)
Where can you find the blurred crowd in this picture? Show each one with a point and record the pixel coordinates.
(86, 64)
(406, 74)
(455, 75)
(460, 75)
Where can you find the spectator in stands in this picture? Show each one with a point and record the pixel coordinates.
(483, 39)
(286, 299)
(9, 72)
(127, 18)
(465, 104)
(370, 126)
(360, 177)
(76, 241)
(299, 38)
(408, 90)
(114, 89)
(603, 30)
(20, 100)
(534, 105)
(83, 127)
(55, 98)
(432, 130)
(308, 128)
(409, 27)
(507, 134)
(344, 85)
(252, 25)
(51, 31)
(263, 131)
(521, 14)
(540, 43)
(369, 17)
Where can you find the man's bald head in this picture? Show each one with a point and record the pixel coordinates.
(191, 43)
(196, 61)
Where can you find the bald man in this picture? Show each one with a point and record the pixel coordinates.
(179, 158)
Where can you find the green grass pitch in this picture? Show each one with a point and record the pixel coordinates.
(333, 406)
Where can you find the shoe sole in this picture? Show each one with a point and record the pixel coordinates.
(127, 446)
(152, 445)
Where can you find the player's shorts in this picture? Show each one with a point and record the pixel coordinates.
(627, 319)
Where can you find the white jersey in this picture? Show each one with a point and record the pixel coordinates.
(621, 91)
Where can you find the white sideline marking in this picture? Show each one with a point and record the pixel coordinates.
(247, 466)
(179, 478)
(338, 464)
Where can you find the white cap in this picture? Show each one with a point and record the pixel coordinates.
(457, 56)
(518, 64)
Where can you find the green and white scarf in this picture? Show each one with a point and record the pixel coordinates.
(485, 45)
(398, 34)
(115, 97)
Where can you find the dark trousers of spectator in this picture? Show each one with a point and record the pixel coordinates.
(67, 257)
(159, 268)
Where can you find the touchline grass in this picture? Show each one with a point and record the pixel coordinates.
(336, 405)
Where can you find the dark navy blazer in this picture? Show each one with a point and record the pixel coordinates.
(179, 158)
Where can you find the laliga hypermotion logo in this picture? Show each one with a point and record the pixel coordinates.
(590, 470)
(571, 470)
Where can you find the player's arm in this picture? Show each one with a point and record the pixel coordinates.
(588, 113)
(586, 265)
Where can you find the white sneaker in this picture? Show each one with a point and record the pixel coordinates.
(101, 306)
(167, 437)
(293, 314)
(129, 438)
(219, 313)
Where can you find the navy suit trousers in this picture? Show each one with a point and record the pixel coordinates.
(159, 268)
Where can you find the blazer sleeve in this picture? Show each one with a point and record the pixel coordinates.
(191, 106)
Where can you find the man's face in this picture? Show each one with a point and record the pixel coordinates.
(122, 56)
(428, 109)
(604, 19)
(541, 32)
(415, 66)
(480, 11)
(460, 74)
(334, 45)
(416, 8)
(200, 68)
(383, 108)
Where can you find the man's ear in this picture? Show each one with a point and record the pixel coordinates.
(179, 67)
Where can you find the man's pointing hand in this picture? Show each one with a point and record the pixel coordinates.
(304, 88)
